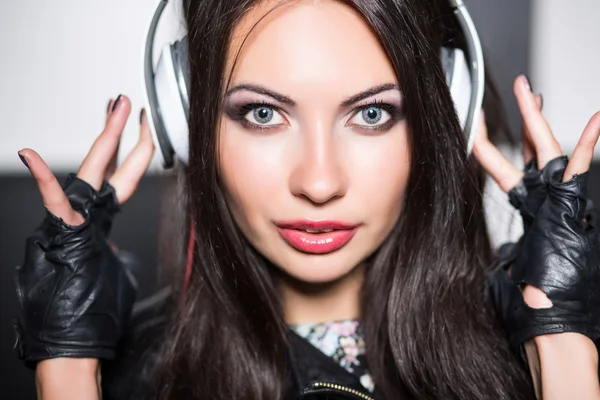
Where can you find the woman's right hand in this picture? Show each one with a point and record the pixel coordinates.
(75, 293)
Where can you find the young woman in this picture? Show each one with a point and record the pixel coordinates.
(331, 198)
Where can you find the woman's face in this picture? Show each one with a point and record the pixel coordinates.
(314, 149)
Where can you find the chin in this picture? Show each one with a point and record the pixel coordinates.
(318, 268)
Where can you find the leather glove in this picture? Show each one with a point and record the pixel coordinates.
(75, 293)
(531, 191)
(559, 254)
(529, 194)
(102, 204)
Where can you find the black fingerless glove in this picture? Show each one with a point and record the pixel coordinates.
(559, 254)
(530, 193)
(75, 293)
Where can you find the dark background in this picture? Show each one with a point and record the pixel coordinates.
(504, 29)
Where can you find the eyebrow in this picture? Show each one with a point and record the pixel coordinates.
(368, 93)
(286, 100)
(264, 91)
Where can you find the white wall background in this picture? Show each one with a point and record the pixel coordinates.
(62, 60)
(565, 64)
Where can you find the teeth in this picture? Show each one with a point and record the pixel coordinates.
(318, 231)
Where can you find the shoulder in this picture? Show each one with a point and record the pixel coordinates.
(123, 376)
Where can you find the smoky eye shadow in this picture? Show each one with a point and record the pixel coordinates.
(238, 109)
(231, 109)
(234, 105)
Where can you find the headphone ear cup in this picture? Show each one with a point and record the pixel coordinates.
(459, 81)
(172, 105)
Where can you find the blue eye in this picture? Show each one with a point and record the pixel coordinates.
(371, 117)
(264, 115)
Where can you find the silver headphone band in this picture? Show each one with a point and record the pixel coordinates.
(161, 133)
(477, 68)
(179, 61)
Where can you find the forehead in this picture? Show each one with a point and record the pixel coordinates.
(309, 45)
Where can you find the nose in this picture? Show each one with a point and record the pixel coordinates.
(319, 175)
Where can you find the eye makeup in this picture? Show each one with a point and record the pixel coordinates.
(243, 109)
(396, 113)
(239, 113)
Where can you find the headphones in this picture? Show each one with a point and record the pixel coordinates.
(167, 86)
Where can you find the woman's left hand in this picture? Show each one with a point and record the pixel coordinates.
(558, 267)
(549, 291)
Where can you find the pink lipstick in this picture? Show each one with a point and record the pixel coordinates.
(316, 237)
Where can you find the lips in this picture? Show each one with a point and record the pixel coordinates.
(316, 237)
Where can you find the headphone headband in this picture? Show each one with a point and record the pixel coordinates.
(476, 68)
(157, 126)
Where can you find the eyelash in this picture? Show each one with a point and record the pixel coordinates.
(395, 114)
(242, 111)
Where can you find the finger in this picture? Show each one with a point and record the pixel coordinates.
(528, 149)
(111, 102)
(112, 164)
(584, 151)
(545, 145)
(126, 179)
(493, 161)
(53, 196)
(93, 168)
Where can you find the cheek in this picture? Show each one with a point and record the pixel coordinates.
(380, 171)
(252, 170)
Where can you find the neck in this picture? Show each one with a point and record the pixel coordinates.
(305, 302)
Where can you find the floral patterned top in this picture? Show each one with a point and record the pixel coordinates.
(341, 340)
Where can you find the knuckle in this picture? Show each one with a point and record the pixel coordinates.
(46, 181)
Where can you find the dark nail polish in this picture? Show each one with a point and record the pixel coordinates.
(528, 82)
(108, 106)
(23, 159)
(142, 113)
(117, 101)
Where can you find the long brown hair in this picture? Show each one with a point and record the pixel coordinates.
(430, 332)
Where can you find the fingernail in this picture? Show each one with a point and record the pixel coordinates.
(108, 106)
(527, 82)
(23, 160)
(117, 103)
(142, 114)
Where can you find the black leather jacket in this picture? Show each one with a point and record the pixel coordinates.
(312, 375)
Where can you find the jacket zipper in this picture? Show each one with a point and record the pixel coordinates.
(335, 386)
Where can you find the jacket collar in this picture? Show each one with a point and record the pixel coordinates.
(308, 366)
